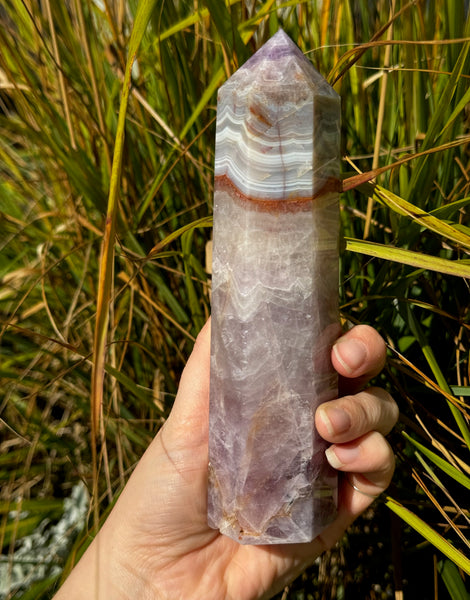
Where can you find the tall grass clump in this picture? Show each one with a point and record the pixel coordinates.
(106, 148)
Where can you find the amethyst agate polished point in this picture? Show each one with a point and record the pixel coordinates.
(274, 298)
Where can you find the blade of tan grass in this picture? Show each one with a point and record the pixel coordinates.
(356, 53)
(442, 510)
(357, 180)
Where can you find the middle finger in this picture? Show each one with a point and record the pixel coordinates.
(350, 417)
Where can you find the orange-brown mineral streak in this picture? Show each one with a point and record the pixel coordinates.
(258, 114)
(223, 183)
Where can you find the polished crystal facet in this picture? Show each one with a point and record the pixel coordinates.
(274, 298)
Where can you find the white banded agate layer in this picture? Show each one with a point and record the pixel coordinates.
(274, 298)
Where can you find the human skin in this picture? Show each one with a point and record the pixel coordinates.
(156, 544)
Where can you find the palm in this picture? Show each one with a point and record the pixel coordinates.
(176, 540)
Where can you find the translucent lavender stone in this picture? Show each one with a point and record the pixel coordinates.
(274, 298)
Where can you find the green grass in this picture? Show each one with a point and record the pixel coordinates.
(106, 152)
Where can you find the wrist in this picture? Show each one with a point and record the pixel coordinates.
(106, 572)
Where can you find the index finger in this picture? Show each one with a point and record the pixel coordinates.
(357, 356)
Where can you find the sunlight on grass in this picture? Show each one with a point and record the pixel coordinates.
(106, 144)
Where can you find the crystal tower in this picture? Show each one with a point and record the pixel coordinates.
(274, 298)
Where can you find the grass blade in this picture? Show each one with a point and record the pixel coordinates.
(142, 18)
(452, 580)
(443, 464)
(402, 207)
(430, 534)
(459, 268)
(441, 380)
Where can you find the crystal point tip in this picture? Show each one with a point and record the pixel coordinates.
(280, 44)
(280, 63)
(276, 117)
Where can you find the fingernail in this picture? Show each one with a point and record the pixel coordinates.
(351, 354)
(336, 420)
(339, 456)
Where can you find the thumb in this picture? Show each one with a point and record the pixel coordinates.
(190, 413)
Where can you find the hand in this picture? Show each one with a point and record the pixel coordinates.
(156, 542)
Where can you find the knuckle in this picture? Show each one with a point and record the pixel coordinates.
(380, 408)
(383, 455)
(368, 408)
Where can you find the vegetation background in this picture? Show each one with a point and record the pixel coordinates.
(105, 204)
